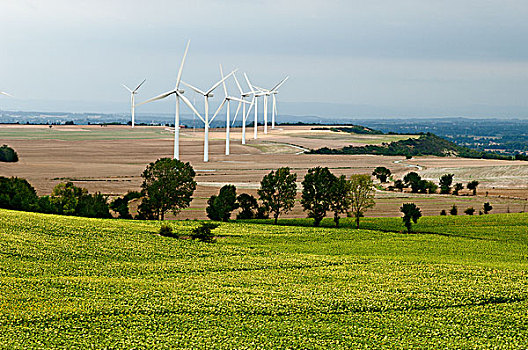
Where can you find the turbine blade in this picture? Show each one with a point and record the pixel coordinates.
(236, 113)
(248, 82)
(238, 85)
(223, 82)
(159, 97)
(5, 93)
(136, 89)
(178, 79)
(126, 87)
(189, 104)
(194, 88)
(239, 100)
(251, 105)
(217, 110)
(219, 82)
(279, 84)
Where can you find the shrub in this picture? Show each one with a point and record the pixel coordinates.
(457, 188)
(487, 207)
(7, 154)
(443, 212)
(454, 210)
(469, 211)
(204, 233)
(166, 231)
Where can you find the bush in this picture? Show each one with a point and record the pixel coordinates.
(166, 231)
(443, 212)
(17, 194)
(487, 208)
(469, 211)
(7, 154)
(204, 233)
(454, 210)
(220, 207)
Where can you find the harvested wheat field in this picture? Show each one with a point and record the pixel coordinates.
(111, 159)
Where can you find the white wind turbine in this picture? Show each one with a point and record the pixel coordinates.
(256, 95)
(207, 94)
(228, 99)
(133, 99)
(274, 91)
(179, 95)
(245, 115)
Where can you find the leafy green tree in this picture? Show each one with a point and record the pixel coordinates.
(65, 197)
(316, 193)
(411, 213)
(487, 207)
(204, 233)
(168, 184)
(93, 206)
(17, 194)
(415, 181)
(399, 184)
(361, 195)
(381, 173)
(457, 188)
(339, 197)
(277, 191)
(220, 207)
(453, 210)
(445, 183)
(472, 186)
(248, 204)
(431, 187)
(469, 211)
(120, 204)
(7, 154)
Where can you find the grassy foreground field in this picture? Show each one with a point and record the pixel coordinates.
(90, 283)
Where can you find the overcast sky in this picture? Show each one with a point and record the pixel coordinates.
(426, 55)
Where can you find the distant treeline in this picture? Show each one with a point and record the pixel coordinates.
(426, 145)
(7, 154)
(352, 129)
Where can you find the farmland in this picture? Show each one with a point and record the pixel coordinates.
(111, 159)
(83, 283)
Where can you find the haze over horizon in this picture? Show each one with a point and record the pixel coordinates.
(344, 58)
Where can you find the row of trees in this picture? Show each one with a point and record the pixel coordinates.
(65, 199)
(322, 192)
(415, 182)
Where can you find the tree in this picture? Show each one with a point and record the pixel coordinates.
(487, 207)
(469, 211)
(431, 187)
(472, 186)
(445, 183)
(399, 184)
(277, 191)
(457, 188)
(65, 197)
(120, 204)
(339, 197)
(17, 194)
(453, 210)
(7, 154)
(316, 193)
(411, 213)
(413, 180)
(381, 173)
(220, 207)
(443, 212)
(248, 204)
(168, 184)
(361, 195)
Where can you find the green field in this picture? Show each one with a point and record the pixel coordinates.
(81, 283)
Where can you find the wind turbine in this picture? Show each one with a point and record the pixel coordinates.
(228, 99)
(207, 94)
(272, 92)
(245, 115)
(179, 95)
(256, 95)
(5, 93)
(132, 99)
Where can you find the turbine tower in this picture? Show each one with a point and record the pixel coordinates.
(132, 99)
(179, 95)
(227, 100)
(207, 94)
(256, 95)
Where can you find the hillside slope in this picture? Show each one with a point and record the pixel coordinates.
(81, 283)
